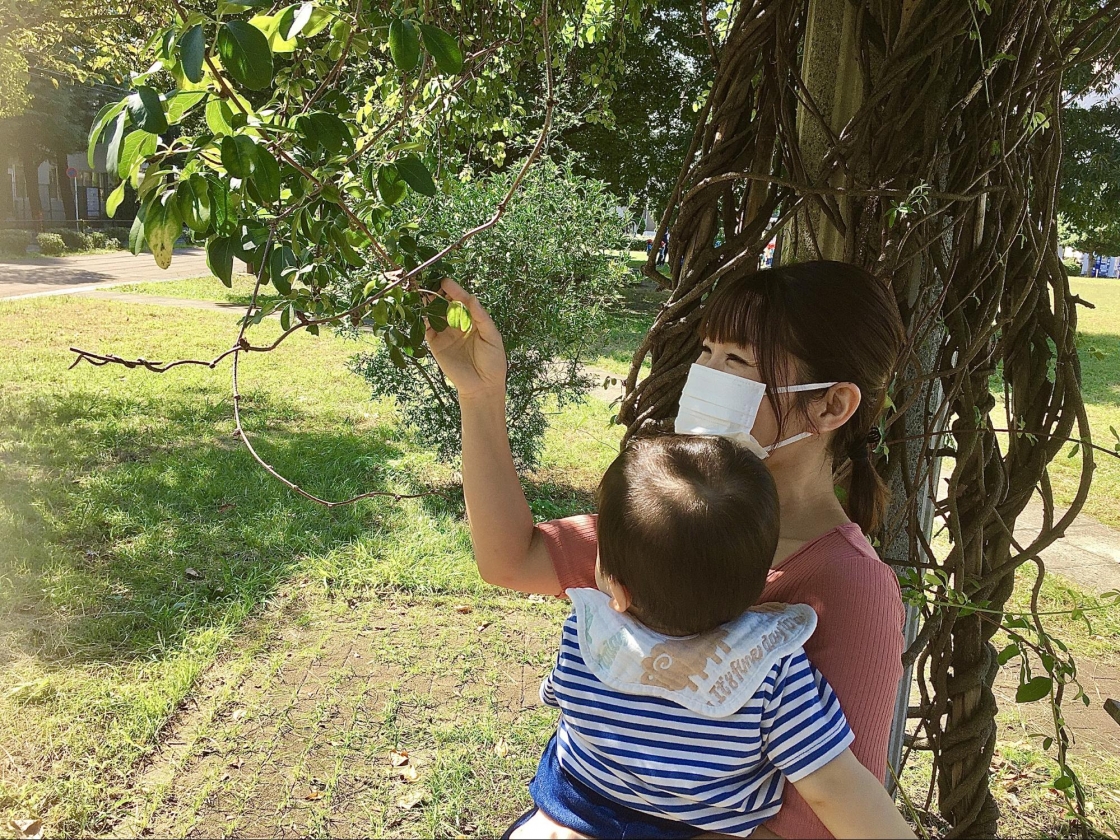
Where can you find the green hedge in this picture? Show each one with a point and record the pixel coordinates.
(51, 244)
(14, 242)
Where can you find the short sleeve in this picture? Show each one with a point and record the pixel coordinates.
(573, 545)
(803, 726)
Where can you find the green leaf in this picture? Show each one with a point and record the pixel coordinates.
(105, 116)
(279, 263)
(1033, 690)
(326, 130)
(443, 48)
(162, 226)
(239, 156)
(295, 20)
(266, 176)
(193, 196)
(389, 184)
(136, 147)
(245, 54)
(457, 316)
(416, 175)
(219, 117)
(1007, 654)
(136, 233)
(113, 155)
(146, 110)
(219, 258)
(1063, 783)
(192, 52)
(178, 104)
(114, 200)
(404, 44)
(437, 314)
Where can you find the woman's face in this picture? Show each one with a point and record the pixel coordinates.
(740, 360)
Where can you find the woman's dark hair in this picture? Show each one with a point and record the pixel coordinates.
(689, 525)
(820, 321)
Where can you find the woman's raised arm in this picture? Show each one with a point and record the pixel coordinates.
(508, 550)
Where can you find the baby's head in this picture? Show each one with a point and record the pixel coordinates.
(688, 526)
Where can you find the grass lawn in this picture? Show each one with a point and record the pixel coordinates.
(188, 648)
(1100, 371)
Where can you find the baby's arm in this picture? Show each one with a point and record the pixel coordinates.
(850, 801)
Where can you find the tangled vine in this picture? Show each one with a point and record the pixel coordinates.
(931, 157)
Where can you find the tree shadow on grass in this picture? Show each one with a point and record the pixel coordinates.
(120, 546)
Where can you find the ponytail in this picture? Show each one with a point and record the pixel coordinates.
(867, 492)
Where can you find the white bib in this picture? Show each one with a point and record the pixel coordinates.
(712, 674)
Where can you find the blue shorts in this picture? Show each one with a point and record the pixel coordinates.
(575, 805)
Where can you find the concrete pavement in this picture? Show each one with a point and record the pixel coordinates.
(44, 276)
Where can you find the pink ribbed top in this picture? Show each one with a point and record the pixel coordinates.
(857, 644)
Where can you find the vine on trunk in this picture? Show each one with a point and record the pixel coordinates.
(943, 179)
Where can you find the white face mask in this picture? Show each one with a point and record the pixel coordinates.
(718, 403)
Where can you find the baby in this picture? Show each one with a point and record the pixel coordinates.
(684, 705)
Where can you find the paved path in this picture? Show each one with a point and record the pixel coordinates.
(62, 275)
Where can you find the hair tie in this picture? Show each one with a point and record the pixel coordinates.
(862, 449)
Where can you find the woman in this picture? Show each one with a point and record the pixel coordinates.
(827, 324)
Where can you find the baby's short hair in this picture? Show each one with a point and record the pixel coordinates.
(689, 525)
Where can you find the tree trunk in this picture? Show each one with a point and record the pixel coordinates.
(66, 188)
(915, 163)
(30, 166)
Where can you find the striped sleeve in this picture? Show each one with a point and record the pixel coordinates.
(548, 692)
(803, 726)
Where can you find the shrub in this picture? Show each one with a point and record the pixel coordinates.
(51, 244)
(119, 234)
(96, 239)
(14, 242)
(544, 275)
(73, 240)
(1073, 267)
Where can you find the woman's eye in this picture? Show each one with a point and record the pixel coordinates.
(705, 350)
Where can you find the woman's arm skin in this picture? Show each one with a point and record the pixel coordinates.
(851, 802)
(508, 550)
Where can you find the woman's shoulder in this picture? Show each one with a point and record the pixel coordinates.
(839, 567)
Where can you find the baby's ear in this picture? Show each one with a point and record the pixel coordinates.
(620, 597)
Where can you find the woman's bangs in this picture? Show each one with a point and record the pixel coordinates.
(735, 315)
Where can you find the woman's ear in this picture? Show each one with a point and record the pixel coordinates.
(836, 407)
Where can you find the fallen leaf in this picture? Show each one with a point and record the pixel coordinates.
(463, 609)
(501, 749)
(239, 715)
(236, 764)
(226, 506)
(313, 795)
(411, 800)
(407, 772)
(538, 599)
(28, 829)
(482, 626)
(398, 758)
(192, 574)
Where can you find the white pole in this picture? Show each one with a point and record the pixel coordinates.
(77, 212)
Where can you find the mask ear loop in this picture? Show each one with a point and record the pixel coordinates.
(793, 389)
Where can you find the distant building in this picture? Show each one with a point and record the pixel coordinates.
(91, 187)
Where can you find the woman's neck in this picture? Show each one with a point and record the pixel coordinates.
(809, 507)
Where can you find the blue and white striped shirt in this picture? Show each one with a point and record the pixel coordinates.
(657, 757)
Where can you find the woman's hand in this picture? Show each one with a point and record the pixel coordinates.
(474, 361)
